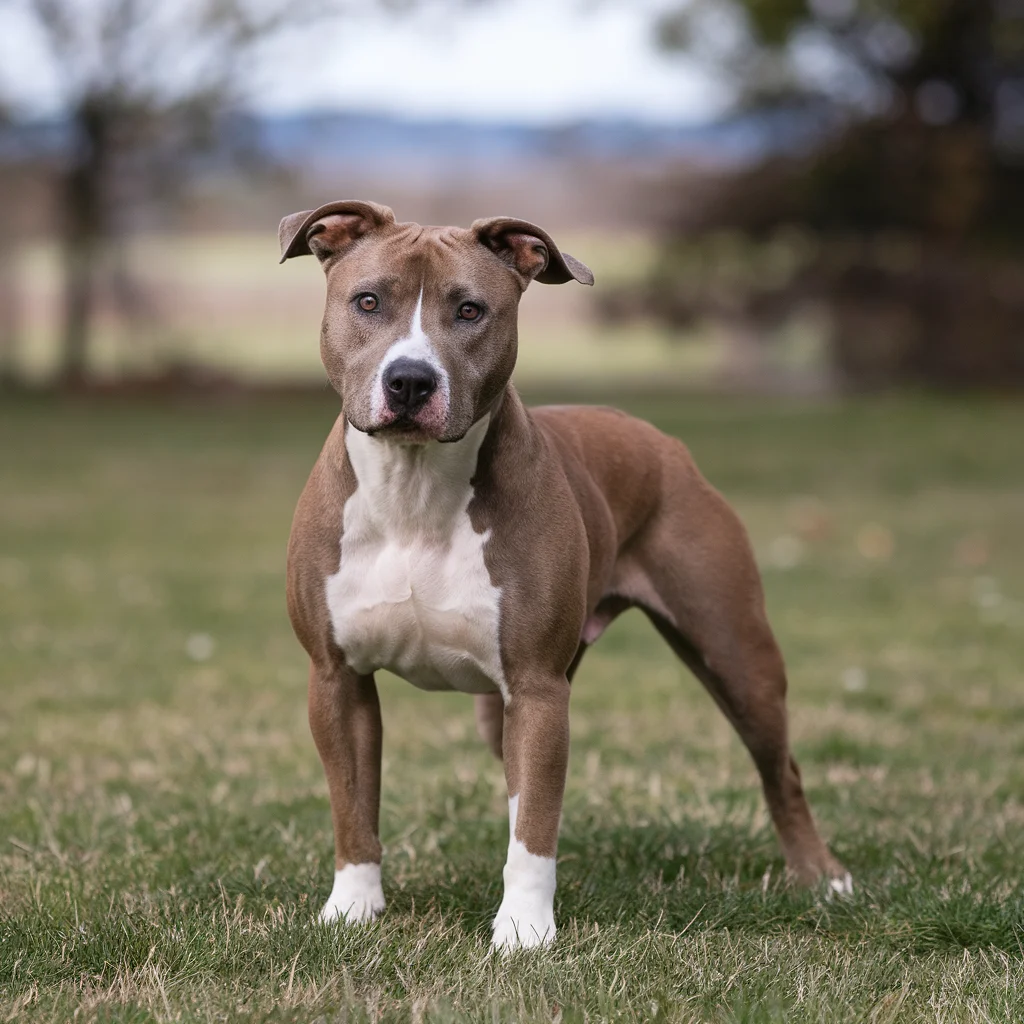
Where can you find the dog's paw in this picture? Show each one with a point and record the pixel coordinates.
(357, 896)
(526, 917)
(522, 923)
(840, 886)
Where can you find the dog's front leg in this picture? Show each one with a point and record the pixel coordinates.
(536, 755)
(344, 716)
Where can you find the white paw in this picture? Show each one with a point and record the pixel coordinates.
(526, 917)
(357, 895)
(840, 886)
(522, 924)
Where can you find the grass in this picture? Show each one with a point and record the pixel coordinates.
(164, 828)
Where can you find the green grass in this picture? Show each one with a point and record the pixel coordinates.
(164, 827)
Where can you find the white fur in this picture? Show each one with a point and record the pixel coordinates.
(412, 593)
(415, 345)
(841, 886)
(357, 895)
(526, 916)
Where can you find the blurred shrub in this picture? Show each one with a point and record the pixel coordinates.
(896, 208)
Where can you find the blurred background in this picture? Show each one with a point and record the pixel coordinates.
(777, 195)
(806, 220)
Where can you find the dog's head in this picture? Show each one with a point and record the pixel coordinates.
(419, 333)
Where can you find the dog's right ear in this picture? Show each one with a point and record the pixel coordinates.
(329, 229)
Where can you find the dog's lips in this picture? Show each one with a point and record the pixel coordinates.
(406, 429)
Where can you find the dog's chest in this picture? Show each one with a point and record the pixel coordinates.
(412, 593)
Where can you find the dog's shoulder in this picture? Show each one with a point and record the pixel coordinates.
(315, 541)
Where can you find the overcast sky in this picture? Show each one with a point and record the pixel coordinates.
(525, 60)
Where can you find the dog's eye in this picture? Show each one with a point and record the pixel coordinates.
(367, 302)
(469, 311)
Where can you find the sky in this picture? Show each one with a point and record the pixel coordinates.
(537, 61)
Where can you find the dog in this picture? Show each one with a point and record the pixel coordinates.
(456, 538)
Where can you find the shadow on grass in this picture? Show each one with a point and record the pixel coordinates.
(659, 876)
(195, 888)
(668, 878)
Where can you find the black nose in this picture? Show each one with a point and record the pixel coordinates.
(408, 384)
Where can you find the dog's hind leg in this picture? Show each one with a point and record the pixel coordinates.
(749, 685)
(490, 717)
(705, 598)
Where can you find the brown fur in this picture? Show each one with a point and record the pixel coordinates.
(590, 512)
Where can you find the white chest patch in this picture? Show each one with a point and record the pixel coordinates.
(412, 593)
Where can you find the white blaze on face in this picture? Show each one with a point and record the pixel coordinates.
(415, 345)
(526, 916)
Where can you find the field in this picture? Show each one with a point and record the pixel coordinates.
(221, 302)
(164, 828)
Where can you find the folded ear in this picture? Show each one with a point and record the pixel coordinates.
(530, 251)
(329, 229)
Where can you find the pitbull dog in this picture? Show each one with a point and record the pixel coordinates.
(462, 541)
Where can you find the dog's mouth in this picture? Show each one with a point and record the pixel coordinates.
(405, 430)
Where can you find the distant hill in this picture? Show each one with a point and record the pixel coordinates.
(597, 174)
(378, 143)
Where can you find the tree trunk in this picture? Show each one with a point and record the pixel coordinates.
(9, 309)
(85, 230)
(79, 287)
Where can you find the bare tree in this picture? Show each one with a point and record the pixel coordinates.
(8, 291)
(138, 84)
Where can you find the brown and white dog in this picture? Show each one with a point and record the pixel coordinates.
(456, 538)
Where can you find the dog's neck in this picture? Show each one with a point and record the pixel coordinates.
(419, 488)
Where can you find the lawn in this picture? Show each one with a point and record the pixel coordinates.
(164, 827)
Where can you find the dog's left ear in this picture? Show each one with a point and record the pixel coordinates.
(530, 251)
